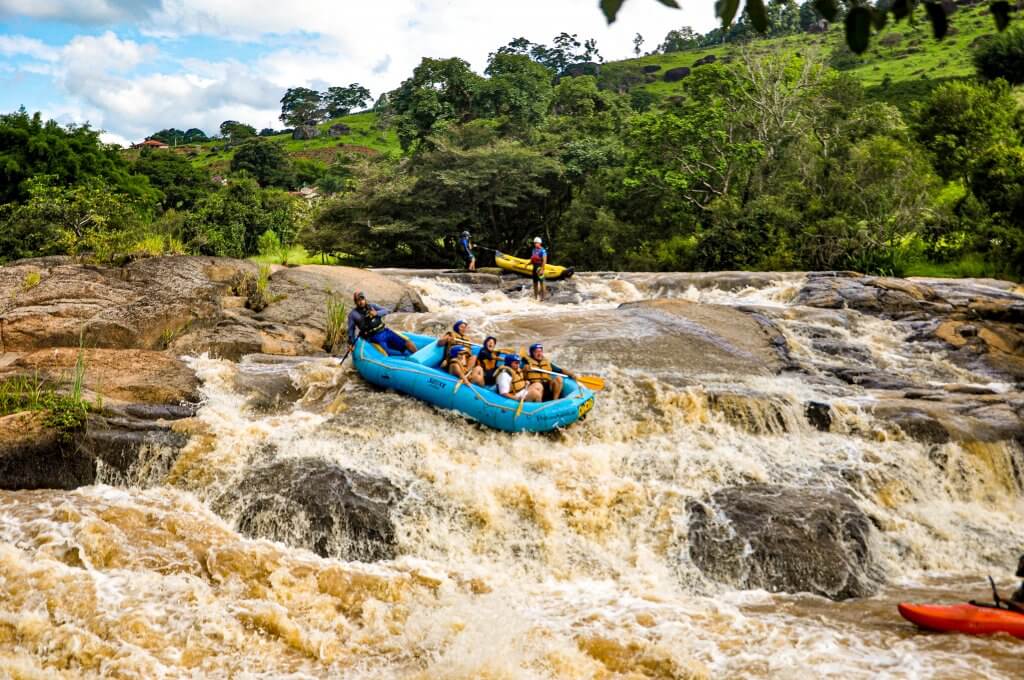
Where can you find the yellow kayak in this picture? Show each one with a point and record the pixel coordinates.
(520, 266)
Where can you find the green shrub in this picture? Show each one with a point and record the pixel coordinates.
(269, 244)
(1002, 56)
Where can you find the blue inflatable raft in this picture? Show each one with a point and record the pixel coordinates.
(419, 376)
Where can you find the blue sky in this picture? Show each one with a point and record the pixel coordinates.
(131, 67)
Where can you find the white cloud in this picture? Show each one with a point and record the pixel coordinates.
(80, 11)
(133, 89)
(19, 45)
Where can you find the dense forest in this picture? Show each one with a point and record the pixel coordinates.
(767, 159)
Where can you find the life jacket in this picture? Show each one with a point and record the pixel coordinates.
(487, 361)
(519, 382)
(534, 376)
(537, 257)
(369, 324)
(460, 339)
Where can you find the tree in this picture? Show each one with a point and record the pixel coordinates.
(565, 51)
(638, 42)
(181, 183)
(230, 221)
(172, 136)
(1002, 56)
(301, 106)
(267, 132)
(266, 162)
(338, 101)
(235, 131)
(67, 155)
(679, 40)
(83, 218)
(959, 120)
(440, 91)
(519, 90)
(194, 135)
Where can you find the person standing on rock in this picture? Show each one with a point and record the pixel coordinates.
(368, 320)
(539, 262)
(466, 251)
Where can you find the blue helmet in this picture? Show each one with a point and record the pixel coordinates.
(534, 347)
(513, 359)
(458, 323)
(455, 351)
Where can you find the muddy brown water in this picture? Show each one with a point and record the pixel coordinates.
(524, 556)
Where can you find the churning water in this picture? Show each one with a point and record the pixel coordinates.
(521, 556)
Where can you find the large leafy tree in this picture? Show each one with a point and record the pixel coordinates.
(235, 131)
(181, 183)
(959, 120)
(230, 221)
(301, 106)
(440, 92)
(339, 101)
(266, 162)
(518, 91)
(30, 146)
(82, 218)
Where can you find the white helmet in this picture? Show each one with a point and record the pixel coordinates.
(536, 239)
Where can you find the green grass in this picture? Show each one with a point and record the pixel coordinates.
(336, 325)
(363, 136)
(66, 409)
(971, 266)
(293, 256)
(903, 63)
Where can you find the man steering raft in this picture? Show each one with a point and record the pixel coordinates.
(368, 319)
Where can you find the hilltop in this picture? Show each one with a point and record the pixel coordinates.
(903, 63)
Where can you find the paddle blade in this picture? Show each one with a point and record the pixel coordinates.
(591, 382)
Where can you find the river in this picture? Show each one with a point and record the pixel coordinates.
(523, 556)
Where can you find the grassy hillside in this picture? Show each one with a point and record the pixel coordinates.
(364, 137)
(903, 63)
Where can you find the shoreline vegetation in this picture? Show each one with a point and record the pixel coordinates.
(721, 151)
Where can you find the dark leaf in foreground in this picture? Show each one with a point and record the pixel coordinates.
(858, 29)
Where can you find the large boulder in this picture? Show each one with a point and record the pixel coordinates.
(709, 59)
(129, 375)
(785, 539)
(338, 130)
(317, 505)
(138, 306)
(676, 74)
(303, 132)
(652, 68)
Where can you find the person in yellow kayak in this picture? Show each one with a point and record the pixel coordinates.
(539, 261)
(513, 384)
(539, 369)
(458, 365)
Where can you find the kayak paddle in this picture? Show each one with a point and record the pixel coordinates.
(592, 382)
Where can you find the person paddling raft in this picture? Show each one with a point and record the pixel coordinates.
(552, 384)
(513, 384)
(368, 320)
(458, 335)
(539, 262)
(458, 365)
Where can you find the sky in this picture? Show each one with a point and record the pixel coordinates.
(132, 67)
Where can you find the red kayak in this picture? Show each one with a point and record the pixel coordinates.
(964, 618)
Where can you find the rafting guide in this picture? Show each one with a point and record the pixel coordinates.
(539, 262)
(368, 320)
(466, 251)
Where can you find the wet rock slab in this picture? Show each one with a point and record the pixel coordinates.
(311, 503)
(785, 539)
